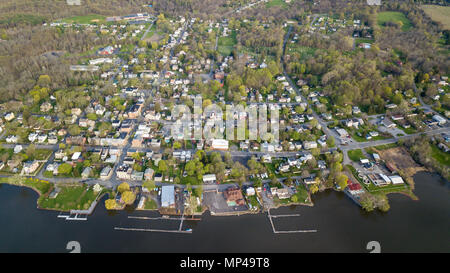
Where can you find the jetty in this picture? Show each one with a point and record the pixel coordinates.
(286, 231)
(153, 230)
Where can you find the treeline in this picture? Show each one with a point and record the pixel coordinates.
(34, 51)
(421, 151)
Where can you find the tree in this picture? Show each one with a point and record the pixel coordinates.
(128, 197)
(31, 150)
(123, 187)
(331, 141)
(162, 166)
(110, 204)
(314, 188)
(342, 181)
(198, 191)
(65, 168)
(149, 184)
(44, 80)
(294, 198)
(74, 130)
(367, 202)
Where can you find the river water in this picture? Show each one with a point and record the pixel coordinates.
(409, 226)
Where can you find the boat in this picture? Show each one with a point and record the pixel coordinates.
(189, 229)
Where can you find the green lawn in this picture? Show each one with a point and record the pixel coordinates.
(356, 155)
(363, 40)
(41, 186)
(225, 44)
(441, 156)
(150, 204)
(70, 197)
(276, 3)
(395, 17)
(304, 51)
(86, 19)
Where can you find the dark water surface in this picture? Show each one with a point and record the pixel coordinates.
(409, 226)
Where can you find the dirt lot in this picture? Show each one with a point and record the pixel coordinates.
(402, 161)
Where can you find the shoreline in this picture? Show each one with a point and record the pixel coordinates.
(411, 195)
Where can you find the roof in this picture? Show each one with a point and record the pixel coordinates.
(167, 196)
(396, 179)
(209, 177)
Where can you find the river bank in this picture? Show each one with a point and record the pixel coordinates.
(419, 226)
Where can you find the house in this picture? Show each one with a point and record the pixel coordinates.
(138, 176)
(397, 117)
(266, 158)
(354, 188)
(440, 120)
(76, 156)
(18, 149)
(342, 133)
(209, 178)
(250, 191)
(105, 172)
(9, 116)
(321, 164)
(284, 168)
(376, 157)
(283, 193)
(268, 148)
(148, 174)
(168, 196)
(234, 197)
(388, 123)
(124, 172)
(45, 107)
(30, 167)
(219, 144)
(86, 172)
(309, 145)
(11, 139)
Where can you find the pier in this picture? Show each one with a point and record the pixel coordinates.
(153, 230)
(164, 217)
(286, 231)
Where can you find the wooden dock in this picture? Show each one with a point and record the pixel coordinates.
(286, 231)
(153, 230)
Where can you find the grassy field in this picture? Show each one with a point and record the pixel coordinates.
(439, 14)
(41, 186)
(356, 155)
(441, 156)
(87, 19)
(70, 197)
(304, 51)
(393, 16)
(225, 44)
(276, 3)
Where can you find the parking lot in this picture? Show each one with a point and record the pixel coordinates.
(216, 203)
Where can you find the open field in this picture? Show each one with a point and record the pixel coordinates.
(441, 156)
(402, 162)
(439, 14)
(225, 44)
(70, 197)
(395, 17)
(356, 155)
(87, 19)
(276, 3)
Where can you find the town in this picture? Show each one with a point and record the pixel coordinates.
(108, 133)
